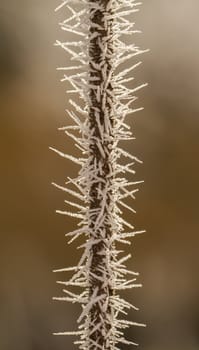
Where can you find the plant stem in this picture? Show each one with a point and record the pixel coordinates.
(100, 115)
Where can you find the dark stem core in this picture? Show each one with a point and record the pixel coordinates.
(104, 35)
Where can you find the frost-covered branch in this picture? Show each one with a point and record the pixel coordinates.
(100, 188)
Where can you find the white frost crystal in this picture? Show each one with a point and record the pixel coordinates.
(97, 129)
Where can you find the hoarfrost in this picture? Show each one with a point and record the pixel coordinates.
(99, 185)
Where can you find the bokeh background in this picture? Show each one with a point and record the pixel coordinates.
(32, 103)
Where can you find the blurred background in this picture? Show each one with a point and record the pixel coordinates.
(33, 103)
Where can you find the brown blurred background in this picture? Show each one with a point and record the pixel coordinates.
(32, 103)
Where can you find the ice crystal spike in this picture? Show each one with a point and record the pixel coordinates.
(100, 189)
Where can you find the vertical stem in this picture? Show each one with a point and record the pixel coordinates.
(98, 185)
(101, 126)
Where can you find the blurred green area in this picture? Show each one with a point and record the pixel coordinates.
(32, 237)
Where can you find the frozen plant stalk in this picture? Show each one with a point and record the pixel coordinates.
(97, 129)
